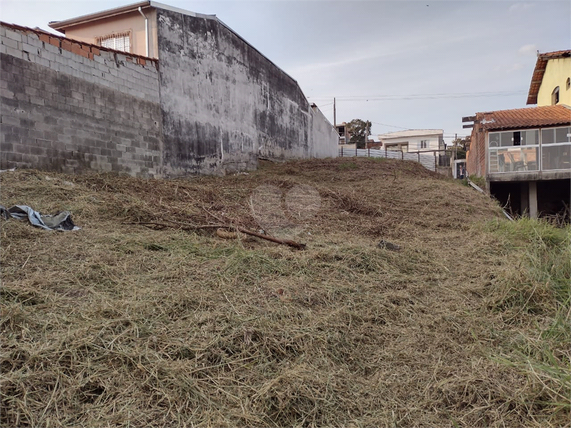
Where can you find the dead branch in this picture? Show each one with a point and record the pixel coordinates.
(188, 226)
(288, 242)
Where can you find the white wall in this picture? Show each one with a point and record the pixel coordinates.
(414, 142)
(323, 136)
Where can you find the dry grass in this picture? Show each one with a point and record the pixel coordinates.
(118, 324)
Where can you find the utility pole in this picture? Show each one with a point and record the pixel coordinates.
(334, 114)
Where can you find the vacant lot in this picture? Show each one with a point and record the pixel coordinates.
(149, 316)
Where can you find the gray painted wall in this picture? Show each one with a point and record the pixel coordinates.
(224, 103)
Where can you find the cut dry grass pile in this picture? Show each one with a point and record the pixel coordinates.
(119, 324)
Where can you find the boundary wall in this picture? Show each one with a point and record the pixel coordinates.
(70, 106)
(213, 105)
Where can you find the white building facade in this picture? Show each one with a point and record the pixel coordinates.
(413, 140)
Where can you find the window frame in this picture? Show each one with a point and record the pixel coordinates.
(494, 147)
(555, 96)
(125, 35)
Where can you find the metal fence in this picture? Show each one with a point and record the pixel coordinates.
(429, 159)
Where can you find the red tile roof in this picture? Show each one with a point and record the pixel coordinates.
(540, 71)
(531, 117)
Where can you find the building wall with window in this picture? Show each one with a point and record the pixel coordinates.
(413, 141)
(529, 143)
(525, 157)
(557, 77)
(213, 106)
(131, 23)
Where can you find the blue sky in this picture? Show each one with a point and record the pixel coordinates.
(400, 64)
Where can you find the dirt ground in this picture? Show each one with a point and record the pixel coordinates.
(137, 320)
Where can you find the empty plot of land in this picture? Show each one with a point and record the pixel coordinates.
(148, 316)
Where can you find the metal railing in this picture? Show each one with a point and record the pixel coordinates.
(430, 159)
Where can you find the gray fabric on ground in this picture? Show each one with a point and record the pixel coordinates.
(59, 221)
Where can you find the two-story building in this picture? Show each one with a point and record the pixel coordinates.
(344, 134)
(131, 28)
(413, 140)
(551, 83)
(525, 154)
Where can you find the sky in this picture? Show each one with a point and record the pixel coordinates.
(403, 64)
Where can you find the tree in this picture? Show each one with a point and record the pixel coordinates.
(459, 147)
(359, 131)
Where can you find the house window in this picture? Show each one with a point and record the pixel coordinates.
(555, 96)
(568, 83)
(513, 138)
(556, 136)
(423, 144)
(117, 41)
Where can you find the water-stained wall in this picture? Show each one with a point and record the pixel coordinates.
(224, 103)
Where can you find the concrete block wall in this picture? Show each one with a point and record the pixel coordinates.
(213, 106)
(71, 107)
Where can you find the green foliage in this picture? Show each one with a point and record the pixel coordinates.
(359, 130)
(542, 281)
(347, 165)
(478, 181)
(534, 295)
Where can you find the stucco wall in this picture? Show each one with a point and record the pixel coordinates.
(556, 74)
(224, 104)
(70, 107)
(324, 138)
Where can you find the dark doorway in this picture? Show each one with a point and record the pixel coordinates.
(553, 197)
(509, 195)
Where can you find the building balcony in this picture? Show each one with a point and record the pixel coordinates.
(540, 154)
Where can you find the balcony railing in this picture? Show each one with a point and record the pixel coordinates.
(529, 150)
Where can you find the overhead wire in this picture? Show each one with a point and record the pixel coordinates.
(422, 96)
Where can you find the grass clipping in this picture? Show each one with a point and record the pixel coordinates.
(122, 325)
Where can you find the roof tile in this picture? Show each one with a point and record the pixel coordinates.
(539, 71)
(525, 117)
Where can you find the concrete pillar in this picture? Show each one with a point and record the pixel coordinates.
(532, 199)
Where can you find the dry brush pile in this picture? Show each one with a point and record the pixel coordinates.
(136, 320)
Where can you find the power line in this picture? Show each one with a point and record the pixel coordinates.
(424, 96)
(390, 126)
